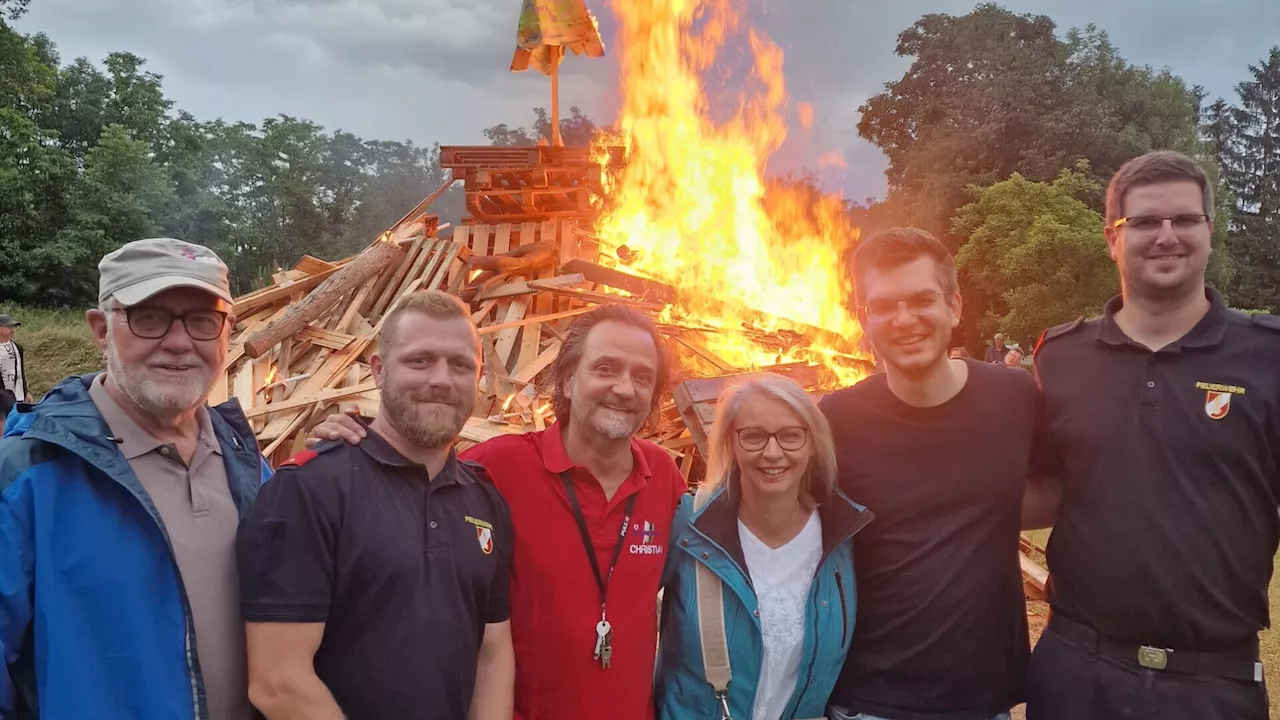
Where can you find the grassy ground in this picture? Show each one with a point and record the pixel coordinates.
(56, 343)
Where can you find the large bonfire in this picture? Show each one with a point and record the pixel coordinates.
(692, 208)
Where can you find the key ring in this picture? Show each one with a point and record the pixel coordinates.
(724, 706)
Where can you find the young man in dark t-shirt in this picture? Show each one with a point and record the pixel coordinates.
(939, 449)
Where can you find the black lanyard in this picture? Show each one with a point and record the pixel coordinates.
(602, 581)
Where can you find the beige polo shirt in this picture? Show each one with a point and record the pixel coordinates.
(201, 518)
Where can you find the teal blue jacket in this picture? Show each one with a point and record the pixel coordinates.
(710, 536)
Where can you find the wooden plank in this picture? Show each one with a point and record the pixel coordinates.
(705, 354)
(302, 401)
(485, 308)
(529, 234)
(392, 280)
(461, 236)
(595, 297)
(507, 338)
(313, 265)
(393, 289)
(493, 329)
(1034, 577)
(353, 309)
(388, 301)
(254, 300)
(568, 242)
(441, 273)
(480, 239)
(529, 287)
(644, 288)
(530, 341)
(242, 385)
(529, 371)
(501, 238)
(325, 338)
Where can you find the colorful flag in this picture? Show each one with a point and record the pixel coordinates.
(549, 27)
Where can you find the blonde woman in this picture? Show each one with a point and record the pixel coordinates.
(771, 535)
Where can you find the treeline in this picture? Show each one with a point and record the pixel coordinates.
(92, 157)
(1002, 136)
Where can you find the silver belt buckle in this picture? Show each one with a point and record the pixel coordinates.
(1153, 658)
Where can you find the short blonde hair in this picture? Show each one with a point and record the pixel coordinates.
(721, 462)
(432, 303)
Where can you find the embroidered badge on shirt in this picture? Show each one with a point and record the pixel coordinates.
(1217, 399)
(484, 533)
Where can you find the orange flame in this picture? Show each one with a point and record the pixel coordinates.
(693, 209)
(271, 376)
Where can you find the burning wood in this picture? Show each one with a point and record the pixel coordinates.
(301, 347)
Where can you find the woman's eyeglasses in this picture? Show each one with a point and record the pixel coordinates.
(789, 438)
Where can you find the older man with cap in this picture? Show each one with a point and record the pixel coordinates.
(13, 376)
(120, 497)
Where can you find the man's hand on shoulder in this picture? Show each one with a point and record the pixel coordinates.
(340, 426)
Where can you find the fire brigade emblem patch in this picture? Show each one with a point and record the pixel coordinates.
(486, 539)
(1217, 404)
(1217, 398)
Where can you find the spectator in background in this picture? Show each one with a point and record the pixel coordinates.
(13, 378)
(959, 353)
(1013, 358)
(998, 350)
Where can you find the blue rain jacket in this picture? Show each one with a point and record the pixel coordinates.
(94, 618)
(710, 536)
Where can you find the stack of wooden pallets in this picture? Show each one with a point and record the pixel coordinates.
(301, 347)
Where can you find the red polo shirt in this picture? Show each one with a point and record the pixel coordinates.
(555, 601)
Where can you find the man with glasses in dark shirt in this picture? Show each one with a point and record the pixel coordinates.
(1164, 414)
(938, 449)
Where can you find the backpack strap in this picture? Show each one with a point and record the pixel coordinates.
(711, 633)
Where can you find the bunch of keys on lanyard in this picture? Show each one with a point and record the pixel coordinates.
(604, 630)
(604, 641)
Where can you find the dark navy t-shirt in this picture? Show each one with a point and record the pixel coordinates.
(941, 628)
(404, 573)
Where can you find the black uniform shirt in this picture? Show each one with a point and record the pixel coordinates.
(1168, 462)
(404, 573)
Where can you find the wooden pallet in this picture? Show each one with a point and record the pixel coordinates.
(531, 183)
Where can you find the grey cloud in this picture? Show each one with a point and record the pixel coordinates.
(437, 70)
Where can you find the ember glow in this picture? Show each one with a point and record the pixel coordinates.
(690, 205)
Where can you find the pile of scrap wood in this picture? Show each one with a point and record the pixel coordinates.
(301, 347)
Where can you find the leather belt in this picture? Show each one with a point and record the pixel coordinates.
(1233, 665)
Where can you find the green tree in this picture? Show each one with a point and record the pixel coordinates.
(37, 184)
(1035, 256)
(123, 194)
(991, 93)
(1254, 180)
(575, 130)
(13, 9)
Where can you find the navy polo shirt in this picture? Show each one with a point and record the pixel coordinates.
(1170, 471)
(404, 571)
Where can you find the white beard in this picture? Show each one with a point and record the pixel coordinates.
(158, 397)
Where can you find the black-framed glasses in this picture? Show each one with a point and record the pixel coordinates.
(1153, 223)
(152, 323)
(917, 304)
(754, 439)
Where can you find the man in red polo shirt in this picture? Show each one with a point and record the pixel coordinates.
(585, 633)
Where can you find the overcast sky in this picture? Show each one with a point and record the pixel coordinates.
(437, 70)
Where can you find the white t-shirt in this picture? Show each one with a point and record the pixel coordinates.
(11, 368)
(782, 578)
